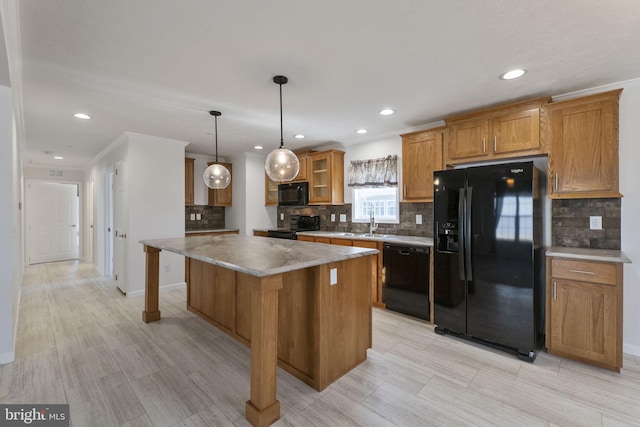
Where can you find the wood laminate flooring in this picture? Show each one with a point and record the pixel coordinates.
(82, 342)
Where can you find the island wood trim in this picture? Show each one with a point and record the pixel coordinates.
(151, 285)
(263, 408)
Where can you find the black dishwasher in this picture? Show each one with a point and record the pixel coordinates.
(405, 284)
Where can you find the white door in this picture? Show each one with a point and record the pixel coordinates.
(52, 221)
(120, 228)
(90, 220)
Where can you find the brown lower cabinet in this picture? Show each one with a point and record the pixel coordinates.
(584, 311)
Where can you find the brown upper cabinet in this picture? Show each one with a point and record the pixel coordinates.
(221, 197)
(326, 178)
(494, 133)
(188, 181)
(583, 136)
(421, 156)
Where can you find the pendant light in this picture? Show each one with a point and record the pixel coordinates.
(216, 176)
(281, 164)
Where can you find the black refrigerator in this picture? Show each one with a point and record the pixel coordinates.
(488, 257)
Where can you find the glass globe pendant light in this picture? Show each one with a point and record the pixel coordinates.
(281, 164)
(216, 176)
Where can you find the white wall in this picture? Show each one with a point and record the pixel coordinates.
(371, 150)
(11, 260)
(154, 199)
(629, 178)
(248, 211)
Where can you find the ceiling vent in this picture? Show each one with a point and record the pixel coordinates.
(55, 172)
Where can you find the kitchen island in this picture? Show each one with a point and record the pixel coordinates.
(303, 306)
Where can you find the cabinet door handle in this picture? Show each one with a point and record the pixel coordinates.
(555, 294)
(495, 144)
(484, 145)
(404, 191)
(582, 272)
(556, 182)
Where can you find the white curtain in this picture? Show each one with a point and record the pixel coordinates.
(374, 172)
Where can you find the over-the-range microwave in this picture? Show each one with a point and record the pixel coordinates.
(293, 194)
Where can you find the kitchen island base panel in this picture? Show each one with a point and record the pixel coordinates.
(324, 330)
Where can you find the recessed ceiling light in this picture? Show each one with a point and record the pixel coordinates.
(387, 112)
(361, 131)
(82, 116)
(513, 74)
(298, 136)
(58, 157)
(258, 147)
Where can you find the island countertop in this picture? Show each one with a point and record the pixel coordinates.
(257, 256)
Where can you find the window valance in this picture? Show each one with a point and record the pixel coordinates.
(374, 172)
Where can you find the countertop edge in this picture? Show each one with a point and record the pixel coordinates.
(410, 240)
(355, 252)
(604, 255)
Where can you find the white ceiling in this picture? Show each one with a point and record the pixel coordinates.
(157, 67)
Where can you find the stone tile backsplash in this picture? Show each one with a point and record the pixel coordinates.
(570, 223)
(212, 217)
(407, 225)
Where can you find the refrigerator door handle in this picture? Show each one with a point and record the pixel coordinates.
(467, 233)
(461, 233)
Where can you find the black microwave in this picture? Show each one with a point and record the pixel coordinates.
(293, 194)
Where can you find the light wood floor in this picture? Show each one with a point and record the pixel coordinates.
(81, 342)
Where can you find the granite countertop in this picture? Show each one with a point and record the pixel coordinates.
(389, 238)
(257, 256)
(212, 230)
(606, 255)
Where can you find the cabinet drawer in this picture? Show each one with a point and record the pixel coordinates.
(595, 272)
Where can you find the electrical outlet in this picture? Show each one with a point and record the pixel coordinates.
(343, 217)
(418, 219)
(198, 217)
(333, 217)
(333, 276)
(595, 222)
(192, 217)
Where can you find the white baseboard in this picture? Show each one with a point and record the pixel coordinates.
(162, 288)
(7, 357)
(631, 349)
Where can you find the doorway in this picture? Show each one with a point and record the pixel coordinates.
(53, 221)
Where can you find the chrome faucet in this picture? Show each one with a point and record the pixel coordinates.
(372, 221)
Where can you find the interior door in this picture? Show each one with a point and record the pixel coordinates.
(120, 228)
(90, 230)
(52, 222)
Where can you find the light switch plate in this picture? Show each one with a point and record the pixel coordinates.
(595, 222)
(333, 217)
(281, 217)
(198, 217)
(418, 219)
(343, 217)
(333, 276)
(192, 217)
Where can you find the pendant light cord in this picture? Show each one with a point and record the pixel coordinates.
(216, 127)
(281, 137)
